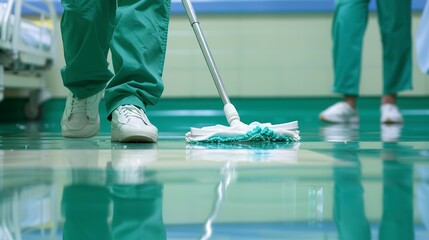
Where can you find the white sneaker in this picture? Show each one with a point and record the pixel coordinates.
(80, 118)
(340, 112)
(130, 124)
(390, 132)
(390, 114)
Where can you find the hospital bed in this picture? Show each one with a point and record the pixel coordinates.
(27, 49)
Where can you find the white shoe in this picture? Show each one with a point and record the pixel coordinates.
(130, 124)
(390, 132)
(80, 118)
(340, 112)
(390, 114)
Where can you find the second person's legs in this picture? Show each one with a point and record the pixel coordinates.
(395, 26)
(349, 24)
(348, 29)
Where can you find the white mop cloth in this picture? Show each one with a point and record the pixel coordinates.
(242, 132)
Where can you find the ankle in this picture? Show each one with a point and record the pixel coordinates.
(388, 99)
(350, 100)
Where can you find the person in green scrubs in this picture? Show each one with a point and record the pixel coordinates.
(349, 24)
(135, 32)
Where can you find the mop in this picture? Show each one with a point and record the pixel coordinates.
(237, 131)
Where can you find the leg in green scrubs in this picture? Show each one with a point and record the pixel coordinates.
(350, 21)
(136, 33)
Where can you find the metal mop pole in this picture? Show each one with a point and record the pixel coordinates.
(230, 111)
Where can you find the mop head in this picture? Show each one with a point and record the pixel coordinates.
(267, 132)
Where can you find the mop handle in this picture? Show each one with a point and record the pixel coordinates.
(206, 51)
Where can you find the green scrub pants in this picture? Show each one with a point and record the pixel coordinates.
(135, 31)
(349, 24)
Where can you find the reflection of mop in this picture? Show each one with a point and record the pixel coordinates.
(237, 153)
(228, 172)
(237, 131)
(259, 152)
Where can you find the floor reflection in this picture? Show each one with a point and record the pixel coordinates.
(355, 184)
(397, 220)
(244, 152)
(26, 204)
(341, 132)
(136, 211)
(423, 194)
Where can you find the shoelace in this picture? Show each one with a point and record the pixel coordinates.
(77, 106)
(131, 111)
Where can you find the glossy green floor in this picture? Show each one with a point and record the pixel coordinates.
(366, 181)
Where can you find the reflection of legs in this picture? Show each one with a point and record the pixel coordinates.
(423, 194)
(85, 210)
(137, 212)
(349, 210)
(85, 201)
(84, 163)
(397, 221)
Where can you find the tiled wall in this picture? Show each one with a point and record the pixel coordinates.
(262, 55)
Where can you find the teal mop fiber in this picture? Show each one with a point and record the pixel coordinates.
(257, 134)
(257, 146)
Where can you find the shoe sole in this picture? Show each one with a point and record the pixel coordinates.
(389, 121)
(352, 120)
(325, 120)
(80, 134)
(134, 134)
(136, 139)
